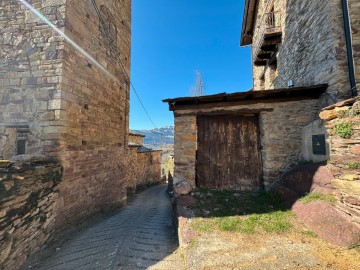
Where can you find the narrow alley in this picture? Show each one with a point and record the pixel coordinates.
(140, 236)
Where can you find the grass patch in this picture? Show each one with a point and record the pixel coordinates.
(236, 211)
(316, 196)
(275, 222)
(203, 225)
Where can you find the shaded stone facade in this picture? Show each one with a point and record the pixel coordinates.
(66, 106)
(28, 194)
(312, 49)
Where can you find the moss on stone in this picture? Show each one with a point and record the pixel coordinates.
(12, 213)
(344, 113)
(53, 176)
(4, 192)
(42, 217)
(33, 199)
(2, 189)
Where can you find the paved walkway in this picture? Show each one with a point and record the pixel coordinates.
(140, 236)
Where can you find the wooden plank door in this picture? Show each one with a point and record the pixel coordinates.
(228, 154)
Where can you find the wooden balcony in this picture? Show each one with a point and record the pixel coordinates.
(268, 37)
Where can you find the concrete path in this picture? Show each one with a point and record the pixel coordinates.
(140, 236)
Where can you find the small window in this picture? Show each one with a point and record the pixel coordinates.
(20, 147)
(21, 139)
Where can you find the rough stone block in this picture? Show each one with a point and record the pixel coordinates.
(328, 223)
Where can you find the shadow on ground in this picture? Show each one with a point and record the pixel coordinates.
(139, 236)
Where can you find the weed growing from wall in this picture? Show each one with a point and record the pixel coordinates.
(354, 165)
(344, 130)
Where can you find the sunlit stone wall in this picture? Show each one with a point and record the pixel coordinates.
(59, 103)
(313, 48)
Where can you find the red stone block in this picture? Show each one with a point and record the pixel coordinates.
(356, 149)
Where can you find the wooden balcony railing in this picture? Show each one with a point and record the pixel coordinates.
(268, 36)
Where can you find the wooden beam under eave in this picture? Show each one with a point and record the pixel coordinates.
(244, 111)
(248, 22)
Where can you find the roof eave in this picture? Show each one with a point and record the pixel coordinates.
(248, 22)
(136, 134)
(313, 91)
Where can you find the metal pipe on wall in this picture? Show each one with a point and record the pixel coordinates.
(349, 49)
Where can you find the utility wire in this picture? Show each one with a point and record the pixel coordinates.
(136, 93)
(127, 77)
(142, 105)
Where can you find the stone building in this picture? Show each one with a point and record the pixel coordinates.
(242, 141)
(297, 47)
(136, 139)
(58, 102)
(303, 42)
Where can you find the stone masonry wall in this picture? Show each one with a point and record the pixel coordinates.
(30, 73)
(264, 7)
(185, 146)
(136, 139)
(280, 135)
(343, 128)
(144, 169)
(28, 194)
(95, 114)
(93, 110)
(307, 53)
(313, 48)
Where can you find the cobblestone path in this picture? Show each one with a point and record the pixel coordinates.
(140, 236)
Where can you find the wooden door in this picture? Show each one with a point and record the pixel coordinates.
(228, 154)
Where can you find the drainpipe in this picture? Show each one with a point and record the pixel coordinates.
(350, 55)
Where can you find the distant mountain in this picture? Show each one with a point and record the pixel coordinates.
(154, 138)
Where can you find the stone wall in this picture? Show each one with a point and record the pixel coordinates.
(136, 138)
(269, 74)
(28, 195)
(93, 110)
(185, 146)
(280, 135)
(313, 48)
(307, 52)
(343, 128)
(31, 66)
(144, 169)
(68, 106)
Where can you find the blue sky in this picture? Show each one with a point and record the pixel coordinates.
(173, 38)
